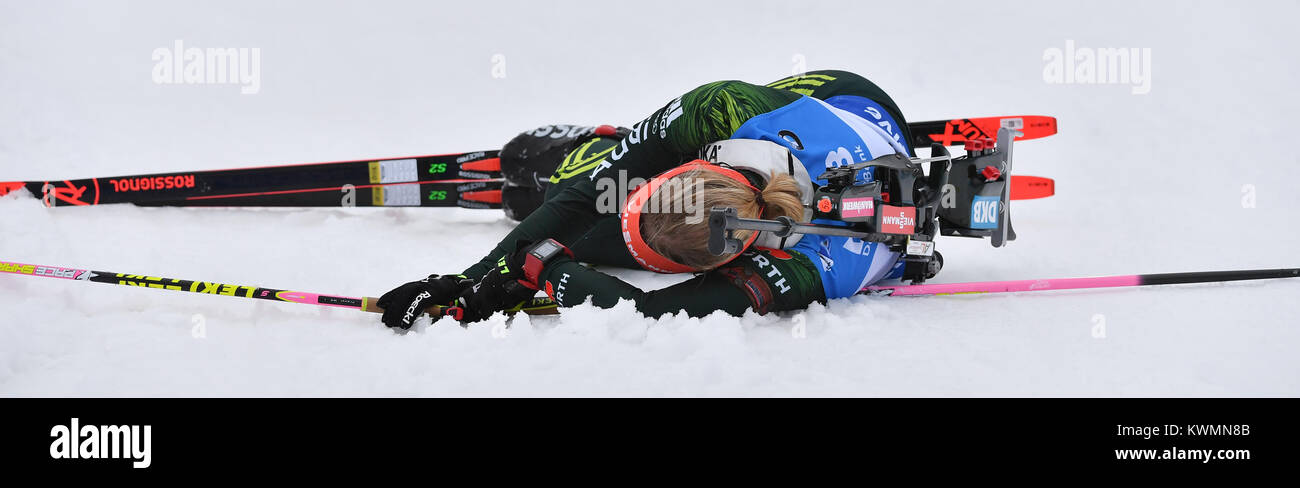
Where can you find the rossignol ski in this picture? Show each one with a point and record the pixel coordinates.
(465, 194)
(956, 131)
(373, 182)
(470, 180)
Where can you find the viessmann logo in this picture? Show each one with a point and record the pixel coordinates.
(76, 441)
(897, 220)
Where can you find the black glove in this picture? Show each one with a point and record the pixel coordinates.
(404, 304)
(513, 281)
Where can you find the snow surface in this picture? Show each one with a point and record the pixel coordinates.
(1146, 183)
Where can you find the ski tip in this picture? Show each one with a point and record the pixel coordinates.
(8, 186)
(1031, 187)
(490, 164)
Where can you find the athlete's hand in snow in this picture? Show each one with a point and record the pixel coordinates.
(514, 280)
(406, 303)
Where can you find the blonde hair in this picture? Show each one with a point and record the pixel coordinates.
(678, 236)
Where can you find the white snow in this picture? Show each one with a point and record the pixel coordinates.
(1146, 183)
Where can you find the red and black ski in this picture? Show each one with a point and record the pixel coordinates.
(449, 180)
(271, 185)
(465, 194)
(954, 132)
(1024, 187)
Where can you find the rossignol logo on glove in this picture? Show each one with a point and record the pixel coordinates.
(75, 441)
(411, 311)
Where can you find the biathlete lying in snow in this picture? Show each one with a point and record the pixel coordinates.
(758, 149)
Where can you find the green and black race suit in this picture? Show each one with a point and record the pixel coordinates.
(761, 279)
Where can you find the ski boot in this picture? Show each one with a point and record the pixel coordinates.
(535, 160)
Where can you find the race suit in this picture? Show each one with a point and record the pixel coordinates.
(826, 118)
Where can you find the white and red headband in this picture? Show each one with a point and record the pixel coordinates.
(636, 201)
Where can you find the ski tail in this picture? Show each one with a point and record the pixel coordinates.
(953, 132)
(1025, 187)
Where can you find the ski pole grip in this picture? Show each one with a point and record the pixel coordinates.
(368, 305)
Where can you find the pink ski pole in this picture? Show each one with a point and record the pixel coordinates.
(1079, 283)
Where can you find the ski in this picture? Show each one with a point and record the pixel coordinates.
(365, 304)
(954, 132)
(1081, 283)
(265, 180)
(1024, 187)
(307, 184)
(475, 194)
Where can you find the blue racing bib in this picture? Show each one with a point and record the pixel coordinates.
(824, 136)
